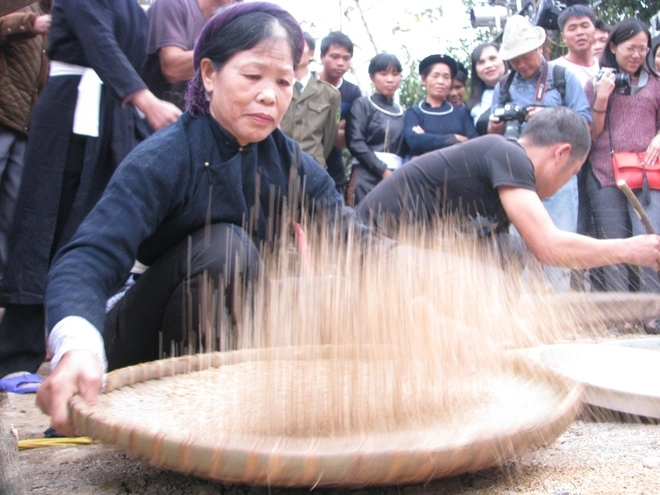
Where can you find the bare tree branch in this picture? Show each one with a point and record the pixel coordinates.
(366, 26)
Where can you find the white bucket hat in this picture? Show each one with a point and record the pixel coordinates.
(520, 37)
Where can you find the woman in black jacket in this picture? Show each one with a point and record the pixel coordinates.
(198, 199)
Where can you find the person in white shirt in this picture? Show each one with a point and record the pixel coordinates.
(312, 118)
(577, 26)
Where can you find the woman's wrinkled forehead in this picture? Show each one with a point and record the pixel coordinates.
(265, 49)
(279, 33)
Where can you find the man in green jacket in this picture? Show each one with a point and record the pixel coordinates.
(313, 115)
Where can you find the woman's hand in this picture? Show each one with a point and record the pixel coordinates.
(159, 113)
(460, 138)
(42, 24)
(77, 373)
(653, 151)
(387, 173)
(603, 88)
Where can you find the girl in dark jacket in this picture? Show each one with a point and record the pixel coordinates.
(375, 136)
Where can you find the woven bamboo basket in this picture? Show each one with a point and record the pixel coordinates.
(609, 307)
(529, 405)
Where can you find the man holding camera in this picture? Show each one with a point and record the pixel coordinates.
(533, 84)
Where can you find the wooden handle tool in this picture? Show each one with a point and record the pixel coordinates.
(621, 184)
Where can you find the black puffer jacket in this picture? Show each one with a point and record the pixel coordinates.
(23, 65)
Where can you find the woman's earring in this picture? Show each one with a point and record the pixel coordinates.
(207, 96)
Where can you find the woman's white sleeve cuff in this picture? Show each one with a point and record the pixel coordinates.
(75, 333)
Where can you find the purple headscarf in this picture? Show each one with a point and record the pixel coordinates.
(196, 100)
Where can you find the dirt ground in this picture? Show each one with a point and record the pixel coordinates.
(615, 455)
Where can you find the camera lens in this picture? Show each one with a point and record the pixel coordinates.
(621, 80)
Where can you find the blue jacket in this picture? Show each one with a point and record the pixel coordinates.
(523, 93)
(440, 126)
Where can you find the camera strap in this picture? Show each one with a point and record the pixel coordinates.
(541, 85)
(505, 85)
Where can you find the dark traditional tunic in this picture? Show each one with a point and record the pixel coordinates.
(440, 126)
(65, 174)
(376, 125)
(189, 174)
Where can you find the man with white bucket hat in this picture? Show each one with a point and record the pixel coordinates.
(533, 83)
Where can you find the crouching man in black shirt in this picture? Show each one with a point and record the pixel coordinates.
(506, 180)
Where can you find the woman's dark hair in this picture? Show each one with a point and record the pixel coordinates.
(237, 28)
(461, 77)
(383, 62)
(623, 31)
(477, 85)
(651, 56)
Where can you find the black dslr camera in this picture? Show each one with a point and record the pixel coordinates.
(514, 116)
(621, 80)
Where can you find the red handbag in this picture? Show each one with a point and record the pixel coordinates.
(629, 167)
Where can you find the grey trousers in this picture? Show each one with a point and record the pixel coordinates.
(615, 218)
(12, 150)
